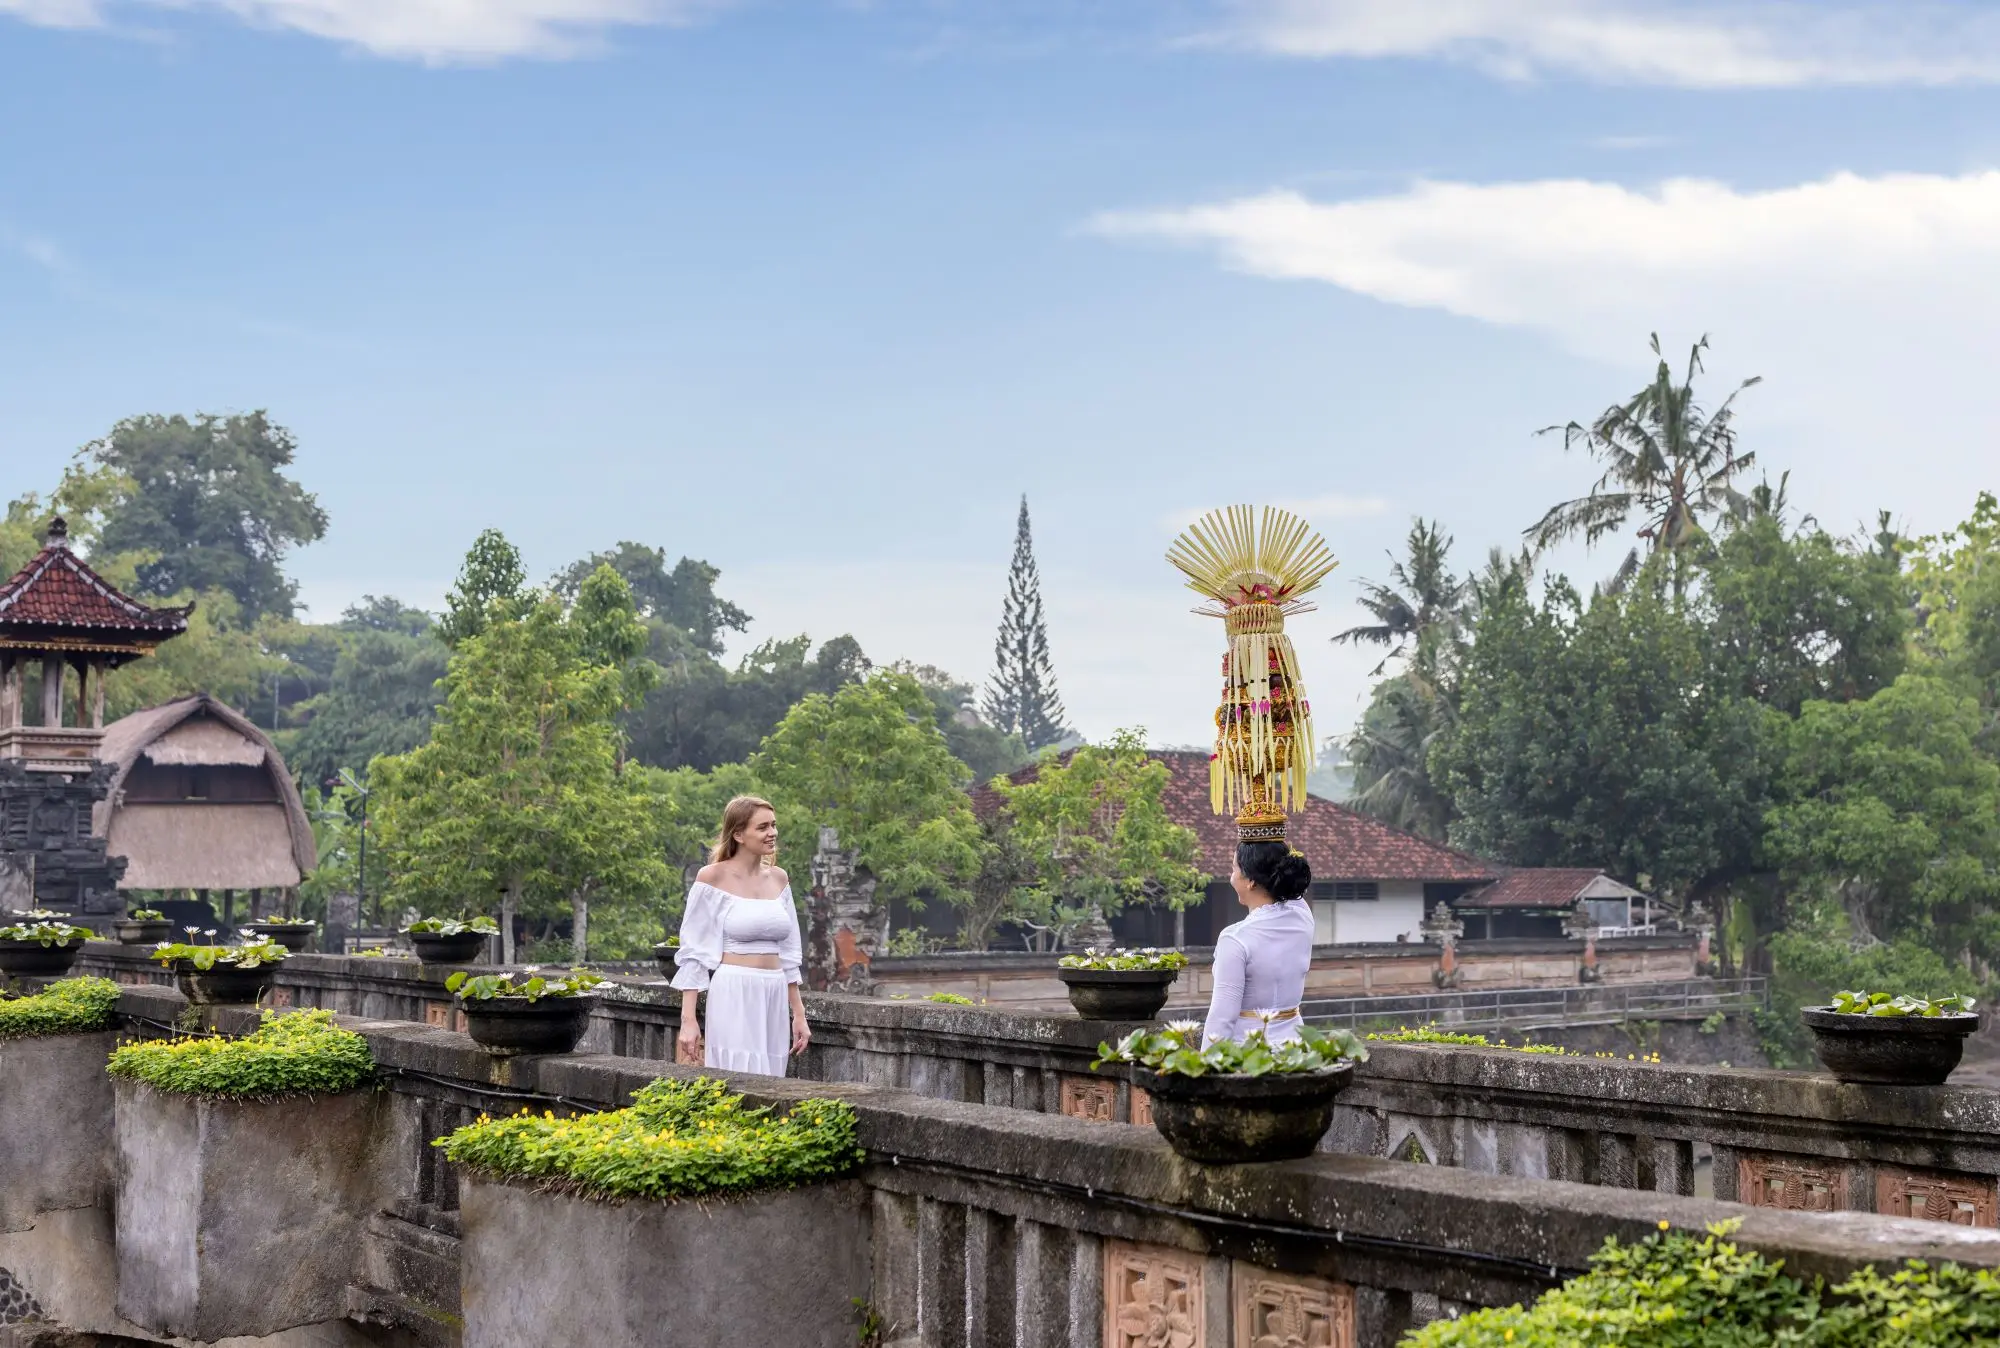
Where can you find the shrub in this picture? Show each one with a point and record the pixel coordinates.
(1430, 1034)
(1176, 1050)
(1681, 1290)
(951, 999)
(1149, 958)
(145, 915)
(677, 1139)
(302, 1053)
(73, 1006)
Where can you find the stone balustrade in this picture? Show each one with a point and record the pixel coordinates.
(1764, 1138)
(984, 1226)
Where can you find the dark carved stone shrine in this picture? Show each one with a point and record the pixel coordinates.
(62, 624)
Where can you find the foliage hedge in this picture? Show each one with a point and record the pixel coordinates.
(300, 1053)
(73, 1006)
(1681, 1290)
(677, 1139)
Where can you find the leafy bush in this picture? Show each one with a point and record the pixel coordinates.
(1176, 1051)
(282, 922)
(1890, 1004)
(49, 934)
(300, 1053)
(451, 926)
(145, 915)
(1430, 1034)
(486, 987)
(677, 1139)
(1149, 958)
(1681, 1290)
(250, 954)
(73, 1006)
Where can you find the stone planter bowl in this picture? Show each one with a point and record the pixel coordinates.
(224, 984)
(665, 954)
(147, 931)
(34, 958)
(1118, 994)
(463, 947)
(1231, 1120)
(504, 1026)
(1888, 1050)
(293, 936)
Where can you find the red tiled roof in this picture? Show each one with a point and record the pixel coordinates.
(1532, 887)
(57, 590)
(1341, 844)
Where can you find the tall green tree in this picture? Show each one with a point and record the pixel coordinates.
(1888, 804)
(1592, 737)
(520, 794)
(492, 586)
(381, 695)
(1021, 699)
(1095, 826)
(683, 597)
(702, 714)
(870, 762)
(210, 503)
(987, 750)
(1390, 751)
(1668, 462)
(1421, 606)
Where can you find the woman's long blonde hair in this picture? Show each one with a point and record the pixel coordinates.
(736, 817)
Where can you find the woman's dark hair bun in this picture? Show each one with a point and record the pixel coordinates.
(1276, 868)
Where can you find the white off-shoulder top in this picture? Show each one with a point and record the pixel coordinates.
(716, 923)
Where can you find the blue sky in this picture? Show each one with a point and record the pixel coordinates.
(816, 291)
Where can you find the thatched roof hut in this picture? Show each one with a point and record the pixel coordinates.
(201, 799)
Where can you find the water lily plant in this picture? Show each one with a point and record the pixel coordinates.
(1149, 958)
(451, 926)
(145, 915)
(531, 987)
(250, 954)
(43, 931)
(1892, 1004)
(1175, 1050)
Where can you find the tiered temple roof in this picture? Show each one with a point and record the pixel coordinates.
(57, 602)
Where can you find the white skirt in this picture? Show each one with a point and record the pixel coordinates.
(749, 1023)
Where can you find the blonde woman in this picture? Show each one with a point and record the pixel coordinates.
(740, 941)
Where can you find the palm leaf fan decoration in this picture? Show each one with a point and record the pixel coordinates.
(1256, 568)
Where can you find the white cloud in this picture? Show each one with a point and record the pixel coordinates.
(435, 31)
(1687, 43)
(1871, 305)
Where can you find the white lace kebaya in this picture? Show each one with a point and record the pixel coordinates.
(1260, 968)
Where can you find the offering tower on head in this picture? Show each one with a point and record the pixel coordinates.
(1255, 569)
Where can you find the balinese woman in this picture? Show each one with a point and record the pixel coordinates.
(740, 941)
(1261, 962)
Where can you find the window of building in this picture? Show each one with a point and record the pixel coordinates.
(1346, 891)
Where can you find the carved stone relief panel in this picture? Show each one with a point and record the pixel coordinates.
(1795, 1183)
(1153, 1297)
(1964, 1200)
(1281, 1310)
(1142, 1107)
(1092, 1098)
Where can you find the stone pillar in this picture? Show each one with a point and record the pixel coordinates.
(846, 927)
(52, 687)
(1442, 929)
(11, 672)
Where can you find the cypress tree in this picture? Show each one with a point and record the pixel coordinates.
(1021, 698)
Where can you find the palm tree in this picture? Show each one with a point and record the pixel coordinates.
(1390, 752)
(1422, 597)
(1666, 461)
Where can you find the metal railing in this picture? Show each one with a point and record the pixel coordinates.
(1531, 1008)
